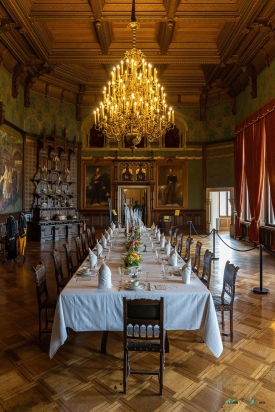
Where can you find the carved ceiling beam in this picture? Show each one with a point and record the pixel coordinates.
(103, 35)
(165, 35)
(233, 36)
(96, 7)
(19, 16)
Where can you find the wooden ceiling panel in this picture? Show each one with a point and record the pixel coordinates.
(195, 44)
(72, 32)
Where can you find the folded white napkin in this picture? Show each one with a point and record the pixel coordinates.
(107, 235)
(168, 247)
(162, 241)
(158, 236)
(92, 259)
(99, 248)
(153, 226)
(113, 226)
(110, 231)
(104, 277)
(186, 272)
(103, 241)
(173, 259)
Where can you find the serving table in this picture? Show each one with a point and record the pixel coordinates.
(83, 307)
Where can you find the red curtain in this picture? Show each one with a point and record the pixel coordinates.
(254, 166)
(270, 157)
(239, 174)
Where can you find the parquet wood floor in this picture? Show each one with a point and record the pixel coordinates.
(80, 379)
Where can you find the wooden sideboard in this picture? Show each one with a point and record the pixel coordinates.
(54, 230)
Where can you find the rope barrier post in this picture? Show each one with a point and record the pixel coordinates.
(261, 290)
(190, 230)
(214, 245)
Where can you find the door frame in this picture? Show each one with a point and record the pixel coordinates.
(141, 187)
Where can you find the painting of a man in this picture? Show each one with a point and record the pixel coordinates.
(170, 187)
(97, 185)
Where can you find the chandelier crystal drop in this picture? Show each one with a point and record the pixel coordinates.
(133, 102)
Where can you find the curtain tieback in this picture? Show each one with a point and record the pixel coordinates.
(253, 218)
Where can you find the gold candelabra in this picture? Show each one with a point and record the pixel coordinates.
(134, 103)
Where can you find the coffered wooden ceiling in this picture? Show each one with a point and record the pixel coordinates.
(203, 50)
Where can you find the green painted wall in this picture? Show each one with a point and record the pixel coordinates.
(42, 114)
(14, 108)
(195, 200)
(265, 92)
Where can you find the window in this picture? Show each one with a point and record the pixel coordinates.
(270, 211)
(225, 205)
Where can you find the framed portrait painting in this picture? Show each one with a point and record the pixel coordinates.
(11, 171)
(172, 185)
(97, 187)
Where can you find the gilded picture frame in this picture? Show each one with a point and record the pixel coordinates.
(96, 188)
(172, 189)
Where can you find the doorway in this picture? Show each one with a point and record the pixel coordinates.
(220, 207)
(128, 195)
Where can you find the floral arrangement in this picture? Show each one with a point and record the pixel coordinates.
(133, 245)
(133, 232)
(132, 259)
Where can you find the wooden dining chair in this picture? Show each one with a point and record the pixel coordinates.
(61, 281)
(78, 249)
(84, 247)
(45, 301)
(179, 243)
(188, 243)
(196, 264)
(93, 236)
(174, 238)
(69, 260)
(225, 301)
(91, 245)
(143, 331)
(207, 268)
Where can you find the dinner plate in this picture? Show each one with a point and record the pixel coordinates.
(141, 286)
(177, 272)
(91, 272)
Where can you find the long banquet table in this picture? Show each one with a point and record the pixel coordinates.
(82, 306)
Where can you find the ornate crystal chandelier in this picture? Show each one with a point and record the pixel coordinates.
(134, 102)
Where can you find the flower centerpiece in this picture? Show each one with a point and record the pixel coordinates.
(133, 245)
(132, 259)
(133, 233)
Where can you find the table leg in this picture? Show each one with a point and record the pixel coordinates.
(104, 342)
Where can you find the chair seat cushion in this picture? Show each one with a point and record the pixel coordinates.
(218, 302)
(144, 345)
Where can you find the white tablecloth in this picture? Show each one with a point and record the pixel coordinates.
(83, 307)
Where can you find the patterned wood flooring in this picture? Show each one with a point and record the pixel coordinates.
(80, 379)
